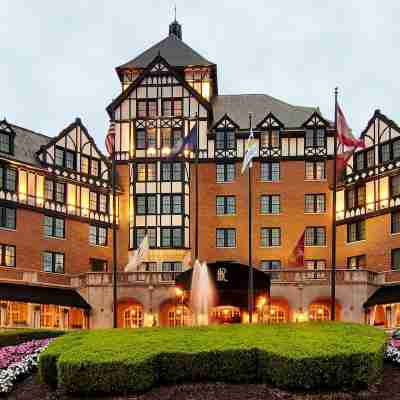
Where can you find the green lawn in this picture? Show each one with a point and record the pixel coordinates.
(309, 355)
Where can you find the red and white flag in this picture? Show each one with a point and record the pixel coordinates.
(110, 138)
(344, 135)
(296, 259)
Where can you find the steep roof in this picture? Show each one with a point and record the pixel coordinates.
(238, 107)
(26, 144)
(174, 50)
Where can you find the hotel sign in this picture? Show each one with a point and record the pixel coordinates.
(221, 274)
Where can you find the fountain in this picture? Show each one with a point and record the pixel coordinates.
(202, 294)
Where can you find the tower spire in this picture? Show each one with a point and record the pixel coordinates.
(175, 27)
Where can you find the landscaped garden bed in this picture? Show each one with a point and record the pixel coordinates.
(326, 356)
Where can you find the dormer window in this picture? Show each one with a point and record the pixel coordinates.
(270, 138)
(90, 166)
(225, 139)
(315, 137)
(64, 158)
(6, 143)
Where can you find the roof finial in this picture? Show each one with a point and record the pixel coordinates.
(174, 27)
(175, 12)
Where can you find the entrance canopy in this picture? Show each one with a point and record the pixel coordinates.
(387, 294)
(230, 281)
(42, 295)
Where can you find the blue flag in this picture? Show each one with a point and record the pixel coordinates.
(187, 143)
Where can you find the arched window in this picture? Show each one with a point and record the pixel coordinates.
(133, 316)
(277, 315)
(179, 316)
(319, 312)
(17, 312)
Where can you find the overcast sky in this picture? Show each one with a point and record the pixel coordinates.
(58, 57)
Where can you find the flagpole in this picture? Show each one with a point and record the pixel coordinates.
(251, 278)
(196, 251)
(333, 249)
(114, 234)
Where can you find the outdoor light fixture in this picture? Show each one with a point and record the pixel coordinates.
(178, 291)
(151, 151)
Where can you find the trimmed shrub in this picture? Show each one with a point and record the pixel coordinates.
(13, 337)
(292, 356)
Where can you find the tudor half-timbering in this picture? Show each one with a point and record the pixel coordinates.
(56, 214)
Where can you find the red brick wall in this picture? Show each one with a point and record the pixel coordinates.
(30, 243)
(292, 221)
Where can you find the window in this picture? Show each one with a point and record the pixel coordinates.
(95, 167)
(171, 237)
(270, 171)
(65, 158)
(396, 259)
(270, 139)
(8, 217)
(315, 236)
(53, 262)
(171, 204)
(146, 108)
(226, 237)
(170, 269)
(356, 262)
(396, 149)
(316, 266)
(225, 140)
(356, 231)
(151, 137)
(140, 233)
(314, 203)
(140, 139)
(270, 237)
(97, 265)
(370, 158)
(53, 227)
(60, 192)
(385, 152)
(8, 179)
(315, 170)
(146, 204)
(97, 235)
(359, 161)
(270, 204)
(395, 225)
(171, 171)
(226, 205)
(395, 186)
(7, 255)
(85, 162)
(355, 197)
(146, 172)
(48, 190)
(172, 107)
(271, 266)
(315, 137)
(6, 143)
(98, 202)
(225, 172)
(170, 137)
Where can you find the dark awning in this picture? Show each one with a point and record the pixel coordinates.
(230, 281)
(384, 295)
(42, 295)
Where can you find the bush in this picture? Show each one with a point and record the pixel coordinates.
(293, 356)
(12, 337)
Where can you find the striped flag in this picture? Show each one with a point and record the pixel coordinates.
(251, 151)
(139, 256)
(110, 138)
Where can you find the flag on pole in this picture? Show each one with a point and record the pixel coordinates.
(296, 259)
(138, 256)
(188, 143)
(110, 138)
(344, 134)
(251, 152)
(341, 161)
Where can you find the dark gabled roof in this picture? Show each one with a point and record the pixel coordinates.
(387, 294)
(238, 108)
(26, 144)
(42, 295)
(174, 50)
(382, 117)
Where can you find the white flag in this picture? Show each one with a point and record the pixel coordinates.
(138, 257)
(251, 152)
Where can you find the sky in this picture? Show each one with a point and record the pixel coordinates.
(57, 58)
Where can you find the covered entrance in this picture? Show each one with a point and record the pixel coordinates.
(230, 289)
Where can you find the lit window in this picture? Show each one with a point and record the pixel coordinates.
(95, 167)
(316, 266)
(356, 262)
(93, 201)
(270, 237)
(85, 165)
(7, 255)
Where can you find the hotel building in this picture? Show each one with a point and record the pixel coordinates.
(56, 206)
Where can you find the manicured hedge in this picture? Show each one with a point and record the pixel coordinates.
(294, 356)
(12, 337)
